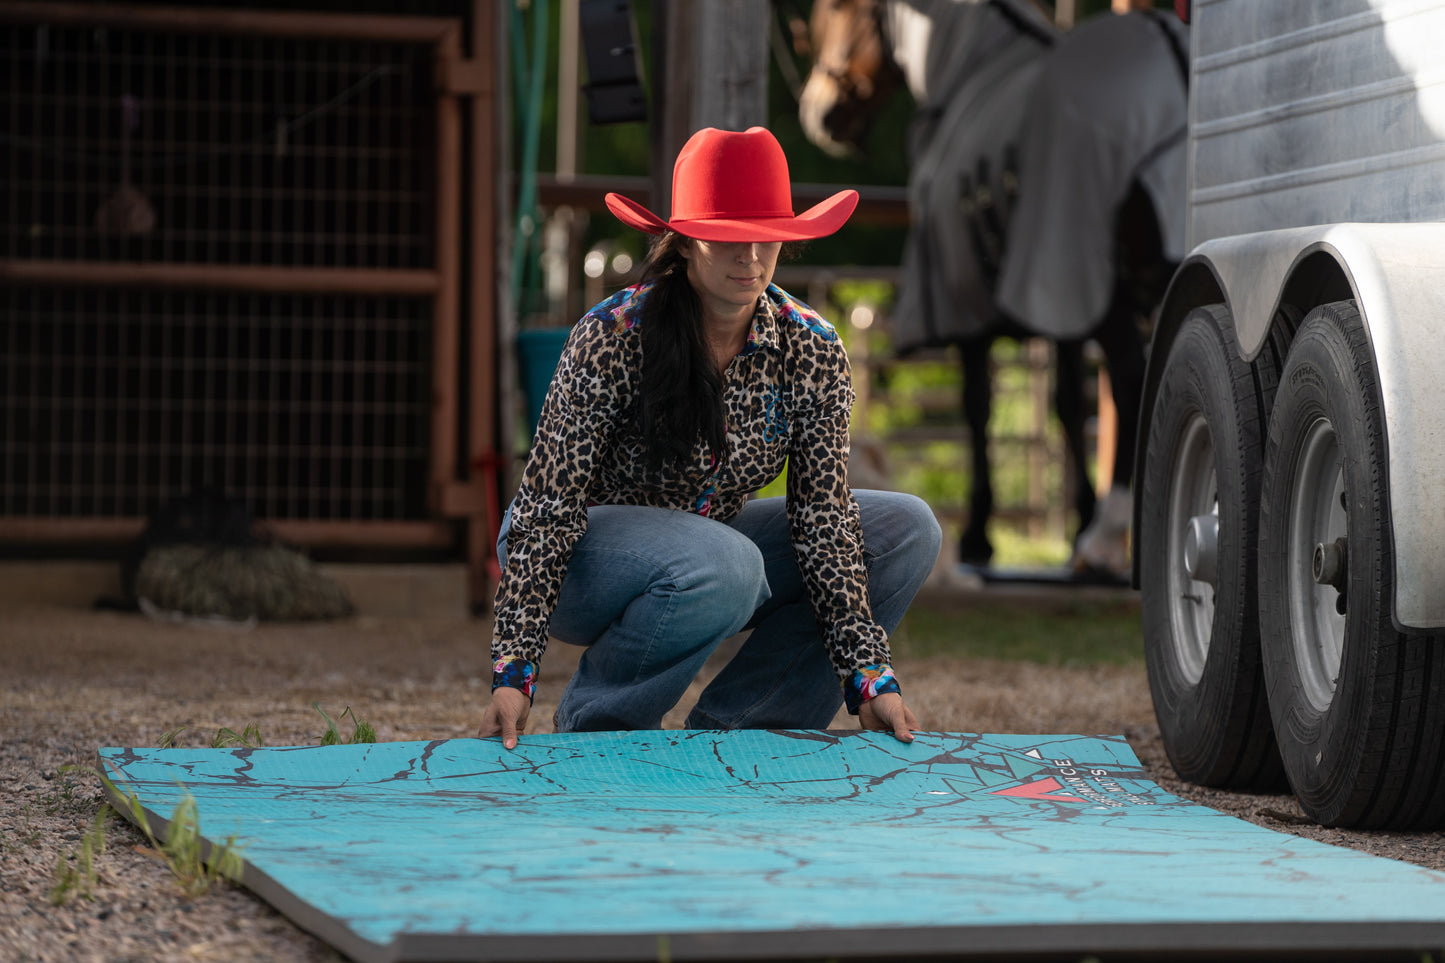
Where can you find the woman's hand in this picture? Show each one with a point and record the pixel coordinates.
(506, 716)
(887, 713)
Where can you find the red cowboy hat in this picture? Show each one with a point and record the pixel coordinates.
(731, 186)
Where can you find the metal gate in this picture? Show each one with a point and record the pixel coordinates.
(231, 257)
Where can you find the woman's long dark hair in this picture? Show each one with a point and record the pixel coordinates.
(681, 397)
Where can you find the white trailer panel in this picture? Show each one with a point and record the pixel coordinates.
(1315, 112)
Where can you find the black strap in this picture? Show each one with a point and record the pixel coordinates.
(1022, 23)
(1181, 56)
(1181, 60)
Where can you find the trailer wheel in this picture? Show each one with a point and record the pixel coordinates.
(1197, 538)
(1359, 708)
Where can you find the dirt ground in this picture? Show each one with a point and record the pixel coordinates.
(72, 681)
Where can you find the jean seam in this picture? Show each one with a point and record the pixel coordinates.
(656, 633)
(653, 566)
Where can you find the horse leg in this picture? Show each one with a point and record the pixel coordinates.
(974, 547)
(1141, 275)
(1124, 357)
(1069, 405)
(1103, 547)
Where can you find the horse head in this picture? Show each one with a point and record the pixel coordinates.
(853, 73)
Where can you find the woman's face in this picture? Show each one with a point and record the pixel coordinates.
(727, 275)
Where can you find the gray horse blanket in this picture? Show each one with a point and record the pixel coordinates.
(1021, 160)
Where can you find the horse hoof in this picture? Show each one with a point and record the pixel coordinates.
(1104, 546)
(975, 550)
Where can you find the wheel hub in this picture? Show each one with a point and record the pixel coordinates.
(1331, 563)
(1201, 548)
(1192, 555)
(1318, 562)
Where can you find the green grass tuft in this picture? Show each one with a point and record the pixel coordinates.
(250, 737)
(76, 874)
(194, 865)
(362, 731)
(185, 852)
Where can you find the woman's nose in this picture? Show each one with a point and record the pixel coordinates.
(747, 253)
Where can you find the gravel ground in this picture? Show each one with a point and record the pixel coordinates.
(76, 680)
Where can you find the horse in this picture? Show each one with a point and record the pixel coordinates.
(1046, 192)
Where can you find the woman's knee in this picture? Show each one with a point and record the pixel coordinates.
(899, 520)
(730, 566)
(712, 588)
(707, 562)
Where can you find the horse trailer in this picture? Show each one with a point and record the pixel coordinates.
(1289, 516)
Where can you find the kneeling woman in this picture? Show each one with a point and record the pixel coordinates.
(633, 534)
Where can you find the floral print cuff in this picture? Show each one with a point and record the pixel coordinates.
(515, 673)
(867, 682)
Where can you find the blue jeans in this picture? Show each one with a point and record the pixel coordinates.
(652, 592)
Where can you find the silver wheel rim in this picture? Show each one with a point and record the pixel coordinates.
(1193, 494)
(1316, 516)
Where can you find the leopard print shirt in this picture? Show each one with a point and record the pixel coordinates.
(789, 396)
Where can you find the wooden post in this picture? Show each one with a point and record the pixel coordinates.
(671, 94)
(730, 86)
(446, 306)
(712, 56)
(1107, 437)
(485, 270)
(570, 223)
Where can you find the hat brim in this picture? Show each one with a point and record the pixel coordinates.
(820, 220)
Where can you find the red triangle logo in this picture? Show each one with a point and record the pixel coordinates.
(1038, 789)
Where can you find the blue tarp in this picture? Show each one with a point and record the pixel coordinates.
(688, 844)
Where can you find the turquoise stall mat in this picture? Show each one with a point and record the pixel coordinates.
(538, 350)
(770, 844)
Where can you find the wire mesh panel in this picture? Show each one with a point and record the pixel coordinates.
(155, 149)
(158, 146)
(113, 402)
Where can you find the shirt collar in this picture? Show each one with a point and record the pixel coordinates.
(764, 330)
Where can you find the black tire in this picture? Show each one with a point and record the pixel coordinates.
(1358, 707)
(1201, 637)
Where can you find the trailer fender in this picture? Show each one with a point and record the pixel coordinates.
(1396, 275)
